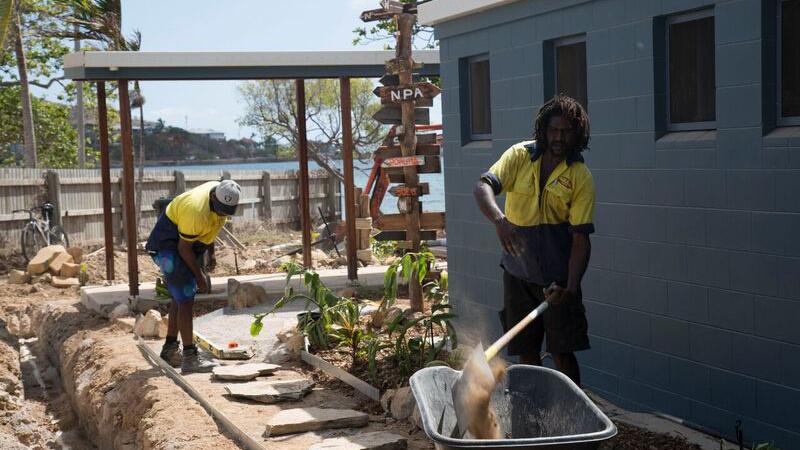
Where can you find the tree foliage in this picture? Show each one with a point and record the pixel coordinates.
(384, 31)
(271, 108)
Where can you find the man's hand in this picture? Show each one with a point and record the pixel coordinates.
(510, 237)
(556, 295)
(202, 286)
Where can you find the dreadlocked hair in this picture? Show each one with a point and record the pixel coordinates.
(568, 108)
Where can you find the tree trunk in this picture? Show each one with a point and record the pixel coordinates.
(79, 113)
(29, 136)
(140, 181)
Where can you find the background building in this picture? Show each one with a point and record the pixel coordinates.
(693, 291)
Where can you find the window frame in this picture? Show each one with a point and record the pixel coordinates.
(672, 20)
(563, 42)
(470, 135)
(782, 121)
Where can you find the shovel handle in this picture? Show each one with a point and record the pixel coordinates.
(495, 348)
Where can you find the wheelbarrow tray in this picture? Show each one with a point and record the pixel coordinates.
(536, 407)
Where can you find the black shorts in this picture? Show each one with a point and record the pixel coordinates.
(564, 325)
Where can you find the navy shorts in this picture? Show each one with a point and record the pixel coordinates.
(564, 325)
(180, 280)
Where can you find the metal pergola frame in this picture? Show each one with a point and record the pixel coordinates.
(121, 67)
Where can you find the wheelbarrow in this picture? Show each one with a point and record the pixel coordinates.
(536, 408)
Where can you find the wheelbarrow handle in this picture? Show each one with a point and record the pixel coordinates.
(495, 348)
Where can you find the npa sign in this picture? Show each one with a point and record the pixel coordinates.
(416, 91)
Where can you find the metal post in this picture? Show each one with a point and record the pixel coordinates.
(302, 152)
(127, 174)
(349, 194)
(105, 175)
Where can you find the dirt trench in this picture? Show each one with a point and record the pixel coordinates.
(81, 383)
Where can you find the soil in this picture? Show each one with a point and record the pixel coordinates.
(633, 438)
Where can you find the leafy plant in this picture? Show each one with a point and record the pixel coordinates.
(161, 289)
(346, 327)
(410, 265)
(83, 276)
(382, 249)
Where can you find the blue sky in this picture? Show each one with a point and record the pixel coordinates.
(234, 25)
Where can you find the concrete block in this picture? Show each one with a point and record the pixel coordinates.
(602, 318)
(667, 261)
(751, 190)
(500, 37)
(708, 266)
(670, 336)
(631, 256)
(651, 368)
(777, 319)
(665, 187)
(637, 150)
(711, 416)
(41, 261)
(728, 229)
(737, 21)
(549, 25)
(711, 346)
(733, 392)
(787, 184)
(650, 293)
(598, 47)
(686, 225)
(637, 9)
(523, 31)
(602, 82)
(788, 281)
(617, 357)
(765, 357)
(596, 379)
(688, 302)
(739, 147)
(623, 43)
(731, 310)
(739, 106)
(672, 404)
(690, 379)
(729, 69)
(790, 365)
(705, 188)
(774, 233)
(607, 14)
(375, 440)
(645, 113)
(577, 19)
(639, 393)
(633, 327)
(777, 405)
(614, 115)
(754, 272)
(602, 251)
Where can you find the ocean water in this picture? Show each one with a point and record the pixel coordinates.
(432, 202)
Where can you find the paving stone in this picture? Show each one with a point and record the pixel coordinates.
(376, 440)
(62, 282)
(69, 269)
(18, 277)
(300, 420)
(41, 262)
(244, 372)
(58, 262)
(271, 391)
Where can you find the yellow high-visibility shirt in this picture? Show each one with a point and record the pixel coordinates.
(191, 212)
(548, 216)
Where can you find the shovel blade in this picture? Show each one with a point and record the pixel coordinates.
(476, 375)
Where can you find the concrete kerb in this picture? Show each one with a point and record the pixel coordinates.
(103, 299)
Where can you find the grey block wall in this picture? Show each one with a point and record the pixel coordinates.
(693, 290)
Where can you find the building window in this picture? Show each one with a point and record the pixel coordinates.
(570, 67)
(789, 62)
(691, 99)
(479, 124)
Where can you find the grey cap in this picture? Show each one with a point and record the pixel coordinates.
(226, 197)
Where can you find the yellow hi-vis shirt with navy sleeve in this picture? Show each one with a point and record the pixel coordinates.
(191, 212)
(547, 217)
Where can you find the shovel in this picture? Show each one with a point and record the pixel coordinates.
(477, 372)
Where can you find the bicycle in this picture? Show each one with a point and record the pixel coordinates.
(37, 233)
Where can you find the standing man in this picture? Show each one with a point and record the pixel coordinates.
(545, 232)
(177, 243)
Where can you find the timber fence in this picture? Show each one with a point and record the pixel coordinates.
(268, 197)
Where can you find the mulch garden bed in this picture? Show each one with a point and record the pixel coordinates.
(634, 438)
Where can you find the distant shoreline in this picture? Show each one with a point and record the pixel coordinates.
(210, 162)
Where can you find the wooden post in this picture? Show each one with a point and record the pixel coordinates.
(131, 234)
(180, 182)
(333, 199)
(349, 183)
(53, 184)
(105, 176)
(302, 153)
(266, 197)
(408, 143)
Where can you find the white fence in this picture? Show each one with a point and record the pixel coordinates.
(272, 197)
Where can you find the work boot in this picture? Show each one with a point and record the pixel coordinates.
(195, 362)
(171, 353)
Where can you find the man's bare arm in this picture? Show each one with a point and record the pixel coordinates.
(578, 260)
(509, 236)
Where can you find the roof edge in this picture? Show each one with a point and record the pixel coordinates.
(438, 11)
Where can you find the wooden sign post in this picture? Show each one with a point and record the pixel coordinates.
(405, 100)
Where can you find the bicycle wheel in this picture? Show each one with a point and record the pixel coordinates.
(31, 241)
(58, 236)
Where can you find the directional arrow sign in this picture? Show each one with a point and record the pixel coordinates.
(404, 191)
(392, 115)
(397, 94)
(394, 80)
(432, 165)
(424, 235)
(373, 15)
(427, 138)
(397, 222)
(392, 6)
(393, 151)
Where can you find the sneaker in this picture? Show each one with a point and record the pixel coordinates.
(171, 353)
(195, 362)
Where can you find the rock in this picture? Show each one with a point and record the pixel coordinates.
(44, 278)
(292, 338)
(347, 292)
(76, 253)
(163, 326)
(271, 391)
(70, 269)
(340, 261)
(250, 264)
(58, 262)
(403, 403)
(260, 263)
(318, 255)
(244, 372)
(62, 282)
(119, 312)
(33, 289)
(243, 295)
(386, 399)
(280, 261)
(299, 420)
(392, 314)
(391, 260)
(416, 417)
(376, 440)
(18, 277)
(280, 354)
(41, 261)
(147, 326)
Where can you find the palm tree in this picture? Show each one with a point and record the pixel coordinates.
(29, 137)
(6, 8)
(137, 101)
